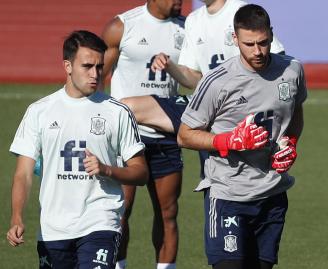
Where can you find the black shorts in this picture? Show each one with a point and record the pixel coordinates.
(163, 156)
(173, 106)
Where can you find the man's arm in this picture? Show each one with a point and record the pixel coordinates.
(22, 183)
(134, 173)
(112, 36)
(295, 127)
(185, 76)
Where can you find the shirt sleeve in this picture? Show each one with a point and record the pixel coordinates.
(188, 52)
(276, 46)
(27, 140)
(205, 103)
(301, 84)
(129, 137)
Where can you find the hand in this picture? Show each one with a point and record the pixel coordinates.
(286, 156)
(160, 62)
(246, 136)
(15, 234)
(94, 167)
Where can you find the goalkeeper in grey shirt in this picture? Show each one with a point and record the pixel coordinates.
(248, 113)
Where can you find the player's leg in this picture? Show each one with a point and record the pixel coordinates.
(164, 161)
(57, 254)
(129, 195)
(165, 192)
(149, 113)
(270, 224)
(98, 250)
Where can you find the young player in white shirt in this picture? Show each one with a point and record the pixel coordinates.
(81, 133)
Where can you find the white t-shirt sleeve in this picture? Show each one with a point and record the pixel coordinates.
(187, 55)
(276, 45)
(27, 138)
(128, 137)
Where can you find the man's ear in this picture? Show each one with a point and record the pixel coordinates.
(271, 33)
(67, 66)
(235, 39)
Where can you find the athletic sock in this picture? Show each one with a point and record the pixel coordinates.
(166, 266)
(121, 264)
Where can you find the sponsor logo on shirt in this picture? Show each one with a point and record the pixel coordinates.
(200, 41)
(54, 125)
(97, 125)
(241, 100)
(143, 41)
(178, 40)
(284, 91)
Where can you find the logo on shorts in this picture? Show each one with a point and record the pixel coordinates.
(97, 125)
(284, 91)
(101, 256)
(228, 221)
(44, 261)
(230, 243)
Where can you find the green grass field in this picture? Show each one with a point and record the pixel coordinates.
(305, 239)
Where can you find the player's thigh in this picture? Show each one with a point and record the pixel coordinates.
(98, 250)
(59, 254)
(228, 233)
(167, 190)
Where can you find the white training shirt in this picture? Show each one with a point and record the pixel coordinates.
(208, 38)
(143, 38)
(60, 128)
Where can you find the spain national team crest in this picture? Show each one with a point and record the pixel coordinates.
(97, 125)
(284, 91)
(178, 40)
(230, 243)
(228, 36)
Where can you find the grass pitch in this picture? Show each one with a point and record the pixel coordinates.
(304, 242)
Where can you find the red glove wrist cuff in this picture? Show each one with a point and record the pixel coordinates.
(293, 140)
(220, 143)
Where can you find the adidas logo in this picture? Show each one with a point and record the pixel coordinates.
(54, 125)
(241, 100)
(143, 41)
(200, 41)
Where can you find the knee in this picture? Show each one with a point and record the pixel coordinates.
(169, 213)
(128, 102)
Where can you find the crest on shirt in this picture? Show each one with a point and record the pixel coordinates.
(284, 91)
(97, 125)
(230, 243)
(178, 40)
(228, 36)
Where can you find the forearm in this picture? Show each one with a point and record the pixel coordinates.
(195, 139)
(131, 175)
(184, 75)
(20, 193)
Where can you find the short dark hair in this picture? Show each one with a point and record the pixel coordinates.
(82, 38)
(251, 17)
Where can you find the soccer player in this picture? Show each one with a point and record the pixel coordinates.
(134, 38)
(248, 114)
(208, 42)
(81, 134)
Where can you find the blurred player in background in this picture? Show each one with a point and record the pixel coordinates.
(80, 133)
(248, 114)
(134, 38)
(208, 42)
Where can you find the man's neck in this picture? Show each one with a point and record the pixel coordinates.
(215, 6)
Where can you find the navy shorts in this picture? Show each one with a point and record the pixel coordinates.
(173, 106)
(163, 156)
(244, 230)
(95, 250)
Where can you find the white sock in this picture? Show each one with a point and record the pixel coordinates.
(166, 266)
(120, 264)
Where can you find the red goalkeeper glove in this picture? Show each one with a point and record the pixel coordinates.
(286, 156)
(247, 135)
